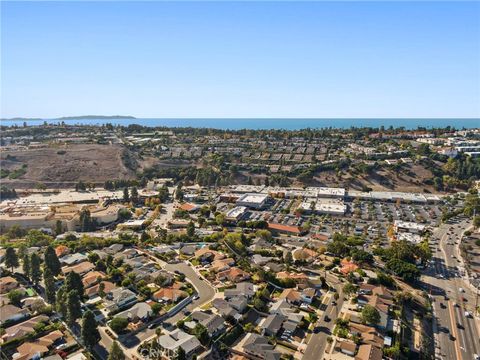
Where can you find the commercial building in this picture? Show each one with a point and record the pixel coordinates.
(407, 226)
(324, 207)
(236, 213)
(252, 200)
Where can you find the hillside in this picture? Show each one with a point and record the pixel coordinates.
(67, 164)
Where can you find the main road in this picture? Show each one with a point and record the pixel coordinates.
(456, 335)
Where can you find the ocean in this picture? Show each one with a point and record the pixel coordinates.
(268, 123)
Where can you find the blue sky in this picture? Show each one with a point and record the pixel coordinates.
(250, 59)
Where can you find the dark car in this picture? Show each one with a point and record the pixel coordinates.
(460, 326)
(316, 330)
(442, 305)
(452, 337)
(326, 318)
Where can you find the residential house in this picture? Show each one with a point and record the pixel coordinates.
(170, 295)
(244, 288)
(205, 255)
(272, 324)
(170, 343)
(233, 274)
(38, 347)
(212, 322)
(258, 259)
(79, 268)
(346, 347)
(304, 254)
(119, 298)
(23, 328)
(292, 296)
(258, 347)
(93, 291)
(140, 311)
(348, 267)
(188, 250)
(222, 264)
(73, 259)
(308, 295)
(299, 278)
(7, 283)
(93, 277)
(12, 313)
(113, 249)
(369, 352)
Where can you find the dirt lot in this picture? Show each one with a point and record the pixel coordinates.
(69, 164)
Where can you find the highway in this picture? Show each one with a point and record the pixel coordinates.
(456, 335)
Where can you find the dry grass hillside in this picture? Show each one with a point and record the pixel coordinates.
(67, 164)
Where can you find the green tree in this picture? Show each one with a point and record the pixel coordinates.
(52, 262)
(26, 266)
(73, 307)
(36, 272)
(179, 192)
(11, 258)
(191, 229)
(90, 334)
(349, 289)
(49, 285)
(15, 297)
(118, 324)
(288, 258)
(370, 315)
(116, 352)
(476, 221)
(202, 334)
(58, 227)
(74, 282)
(126, 195)
(101, 289)
(134, 194)
(86, 223)
(61, 301)
(180, 354)
(163, 193)
(156, 308)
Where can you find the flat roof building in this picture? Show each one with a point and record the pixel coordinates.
(236, 213)
(252, 200)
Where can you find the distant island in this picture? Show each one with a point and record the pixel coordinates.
(20, 119)
(84, 117)
(81, 117)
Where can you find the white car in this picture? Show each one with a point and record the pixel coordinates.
(461, 290)
(468, 314)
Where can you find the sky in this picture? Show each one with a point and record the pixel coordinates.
(241, 59)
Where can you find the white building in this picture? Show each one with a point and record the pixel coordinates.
(236, 213)
(324, 207)
(251, 200)
(407, 226)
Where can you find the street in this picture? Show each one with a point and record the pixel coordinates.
(317, 343)
(456, 336)
(205, 294)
